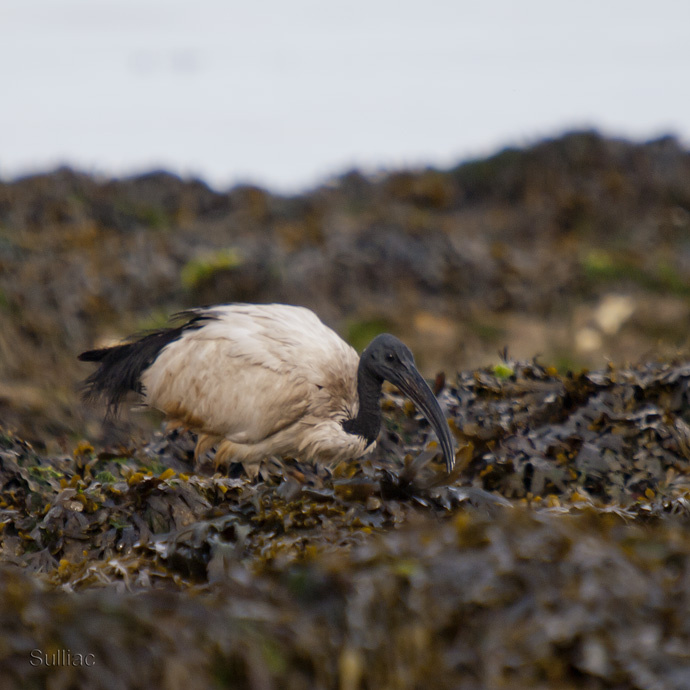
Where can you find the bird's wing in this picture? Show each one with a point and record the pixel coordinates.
(252, 370)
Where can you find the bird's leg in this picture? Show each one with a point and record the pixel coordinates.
(204, 443)
(251, 469)
(224, 452)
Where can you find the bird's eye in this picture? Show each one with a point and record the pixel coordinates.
(389, 356)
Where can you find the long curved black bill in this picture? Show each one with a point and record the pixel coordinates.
(413, 385)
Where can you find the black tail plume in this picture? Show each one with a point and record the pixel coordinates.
(121, 366)
(94, 355)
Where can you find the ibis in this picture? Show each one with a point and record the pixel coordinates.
(262, 380)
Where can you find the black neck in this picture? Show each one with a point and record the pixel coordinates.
(367, 423)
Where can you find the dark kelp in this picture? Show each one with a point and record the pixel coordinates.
(556, 555)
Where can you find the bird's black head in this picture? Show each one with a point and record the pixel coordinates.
(387, 358)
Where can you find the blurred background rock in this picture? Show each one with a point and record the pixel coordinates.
(575, 250)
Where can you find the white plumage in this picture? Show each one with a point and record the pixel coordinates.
(258, 381)
(262, 380)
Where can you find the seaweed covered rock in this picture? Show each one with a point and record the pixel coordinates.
(618, 436)
(521, 599)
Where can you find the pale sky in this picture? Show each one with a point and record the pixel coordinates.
(287, 94)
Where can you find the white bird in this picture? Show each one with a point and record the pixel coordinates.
(262, 380)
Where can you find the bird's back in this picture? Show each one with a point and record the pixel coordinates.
(251, 370)
(274, 336)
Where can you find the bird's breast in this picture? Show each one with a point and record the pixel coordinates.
(327, 440)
